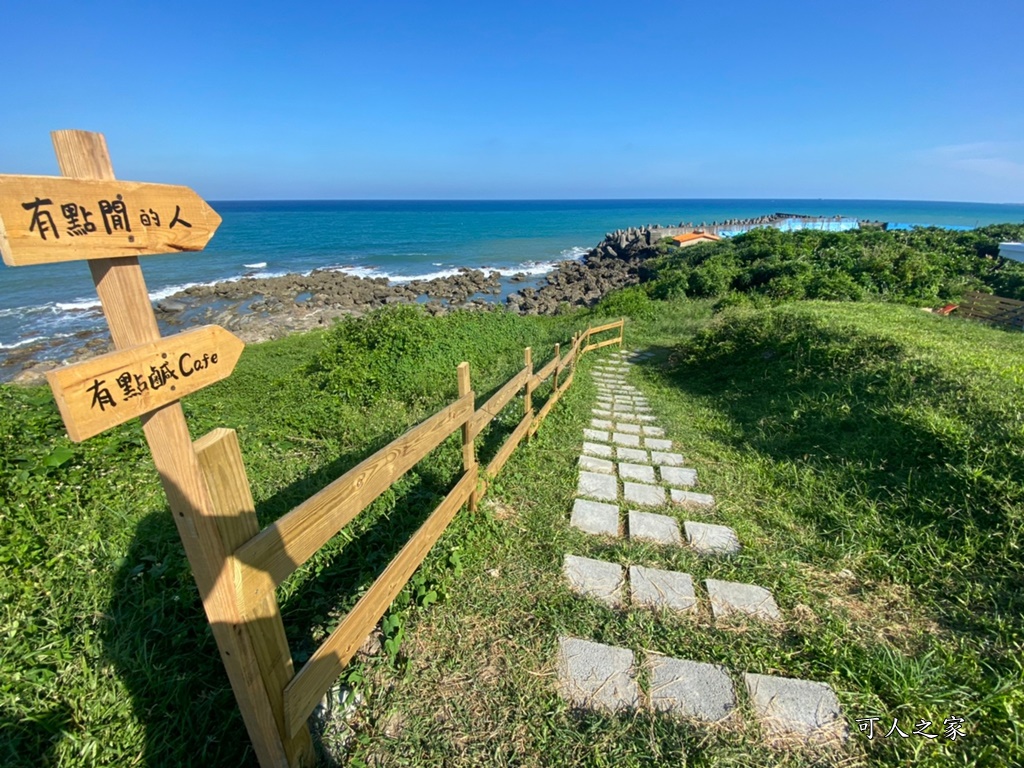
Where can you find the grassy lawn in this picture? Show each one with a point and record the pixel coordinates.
(868, 456)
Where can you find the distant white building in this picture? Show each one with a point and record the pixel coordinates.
(1013, 251)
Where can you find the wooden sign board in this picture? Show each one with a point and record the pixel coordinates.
(114, 388)
(46, 219)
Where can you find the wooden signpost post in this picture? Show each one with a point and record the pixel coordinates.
(87, 214)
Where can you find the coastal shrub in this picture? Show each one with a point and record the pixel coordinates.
(632, 302)
(919, 266)
(400, 356)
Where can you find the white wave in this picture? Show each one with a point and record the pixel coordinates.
(257, 265)
(23, 342)
(575, 253)
(76, 306)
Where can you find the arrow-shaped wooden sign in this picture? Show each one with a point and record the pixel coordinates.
(46, 219)
(114, 388)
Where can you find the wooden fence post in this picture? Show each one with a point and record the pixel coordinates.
(221, 461)
(468, 450)
(528, 397)
(558, 367)
(129, 313)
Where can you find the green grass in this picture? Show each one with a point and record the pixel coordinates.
(869, 457)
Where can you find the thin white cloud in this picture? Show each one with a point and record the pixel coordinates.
(1002, 160)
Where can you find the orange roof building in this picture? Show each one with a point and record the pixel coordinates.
(692, 238)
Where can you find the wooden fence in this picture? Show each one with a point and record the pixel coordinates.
(278, 699)
(993, 309)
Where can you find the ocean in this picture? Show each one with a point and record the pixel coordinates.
(405, 240)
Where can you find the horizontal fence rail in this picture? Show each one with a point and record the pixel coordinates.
(997, 310)
(262, 559)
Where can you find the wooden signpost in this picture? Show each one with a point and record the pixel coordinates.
(89, 215)
(45, 219)
(111, 389)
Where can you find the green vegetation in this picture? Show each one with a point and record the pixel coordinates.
(869, 455)
(923, 265)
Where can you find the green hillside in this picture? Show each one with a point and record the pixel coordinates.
(871, 457)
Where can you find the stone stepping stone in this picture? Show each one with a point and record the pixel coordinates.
(790, 709)
(595, 517)
(654, 431)
(592, 464)
(595, 578)
(657, 444)
(692, 499)
(596, 676)
(731, 597)
(632, 454)
(642, 472)
(679, 476)
(710, 539)
(648, 495)
(645, 417)
(661, 529)
(597, 486)
(596, 449)
(630, 441)
(623, 416)
(599, 435)
(654, 588)
(667, 458)
(601, 412)
(690, 689)
(629, 429)
(602, 424)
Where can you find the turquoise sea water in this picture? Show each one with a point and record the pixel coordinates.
(409, 239)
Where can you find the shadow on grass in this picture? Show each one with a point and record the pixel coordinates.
(156, 634)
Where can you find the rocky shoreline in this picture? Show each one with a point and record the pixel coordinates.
(259, 309)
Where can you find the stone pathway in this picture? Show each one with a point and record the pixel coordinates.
(630, 474)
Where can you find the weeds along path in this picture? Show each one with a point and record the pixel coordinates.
(632, 484)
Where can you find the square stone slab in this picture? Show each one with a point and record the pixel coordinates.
(648, 495)
(595, 517)
(604, 414)
(792, 709)
(629, 429)
(601, 424)
(661, 589)
(595, 434)
(690, 689)
(596, 676)
(642, 472)
(668, 459)
(621, 416)
(595, 578)
(645, 417)
(654, 431)
(632, 441)
(710, 539)
(679, 476)
(592, 464)
(657, 444)
(732, 597)
(596, 449)
(598, 486)
(691, 499)
(631, 454)
(660, 529)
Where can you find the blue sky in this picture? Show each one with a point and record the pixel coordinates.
(256, 100)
